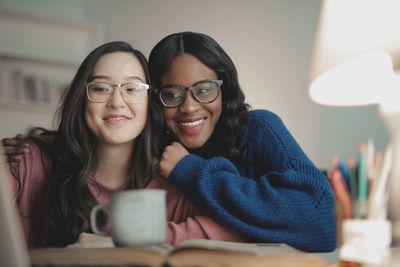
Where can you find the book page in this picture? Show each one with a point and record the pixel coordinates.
(263, 249)
(205, 253)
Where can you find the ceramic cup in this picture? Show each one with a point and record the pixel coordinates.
(138, 217)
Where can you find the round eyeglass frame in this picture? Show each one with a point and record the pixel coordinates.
(190, 88)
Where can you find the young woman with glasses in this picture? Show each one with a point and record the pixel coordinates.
(243, 168)
(103, 144)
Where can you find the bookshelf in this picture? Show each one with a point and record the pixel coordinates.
(38, 58)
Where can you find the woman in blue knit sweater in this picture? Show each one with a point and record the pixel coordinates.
(243, 168)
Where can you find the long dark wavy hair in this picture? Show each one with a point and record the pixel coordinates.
(226, 139)
(67, 200)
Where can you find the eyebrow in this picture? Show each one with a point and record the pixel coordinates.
(173, 84)
(108, 78)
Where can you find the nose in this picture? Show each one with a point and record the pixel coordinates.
(116, 100)
(190, 104)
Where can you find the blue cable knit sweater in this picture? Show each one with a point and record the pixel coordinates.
(280, 197)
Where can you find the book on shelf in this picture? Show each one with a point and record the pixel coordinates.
(195, 252)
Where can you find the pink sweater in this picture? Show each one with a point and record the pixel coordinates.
(184, 220)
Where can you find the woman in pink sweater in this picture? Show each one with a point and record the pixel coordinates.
(103, 144)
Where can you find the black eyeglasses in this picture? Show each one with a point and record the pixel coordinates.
(173, 96)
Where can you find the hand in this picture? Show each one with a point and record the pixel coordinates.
(170, 157)
(87, 240)
(15, 148)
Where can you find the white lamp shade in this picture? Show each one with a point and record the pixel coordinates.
(357, 46)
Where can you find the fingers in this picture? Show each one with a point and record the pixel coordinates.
(162, 169)
(172, 147)
(14, 144)
(14, 154)
(176, 144)
(16, 141)
(15, 148)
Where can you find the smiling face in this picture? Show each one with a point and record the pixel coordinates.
(193, 122)
(115, 121)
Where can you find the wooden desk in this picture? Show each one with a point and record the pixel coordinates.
(183, 257)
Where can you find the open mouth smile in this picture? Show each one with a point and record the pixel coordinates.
(191, 123)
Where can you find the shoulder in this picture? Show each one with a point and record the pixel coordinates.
(36, 163)
(263, 115)
(267, 128)
(264, 119)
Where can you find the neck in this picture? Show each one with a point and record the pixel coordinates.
(114, 162)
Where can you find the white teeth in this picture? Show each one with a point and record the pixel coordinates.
(192, 123)
(116, 119)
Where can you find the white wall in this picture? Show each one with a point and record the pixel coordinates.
(270, 42)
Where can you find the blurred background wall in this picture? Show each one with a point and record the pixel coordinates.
(270, 42)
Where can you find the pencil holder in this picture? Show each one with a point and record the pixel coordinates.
(366, 241)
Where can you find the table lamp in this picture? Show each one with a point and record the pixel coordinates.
(356, 62)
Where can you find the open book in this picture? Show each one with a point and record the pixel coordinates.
(195, 252)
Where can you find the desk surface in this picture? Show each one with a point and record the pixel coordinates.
(187, 257)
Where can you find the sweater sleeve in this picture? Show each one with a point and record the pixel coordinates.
(280, 196)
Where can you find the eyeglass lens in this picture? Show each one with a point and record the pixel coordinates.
(204, 92)
(131, 92)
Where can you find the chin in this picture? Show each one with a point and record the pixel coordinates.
(118, 140)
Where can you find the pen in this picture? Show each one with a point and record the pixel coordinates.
(340, 189)
(341, 193)
(370, 159)
(362, 182)
(351, 165)
(345, 173)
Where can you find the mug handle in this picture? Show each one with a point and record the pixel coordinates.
(93, 223)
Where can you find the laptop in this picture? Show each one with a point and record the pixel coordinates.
(13, 250)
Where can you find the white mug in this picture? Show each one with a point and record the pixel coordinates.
(138, 217)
